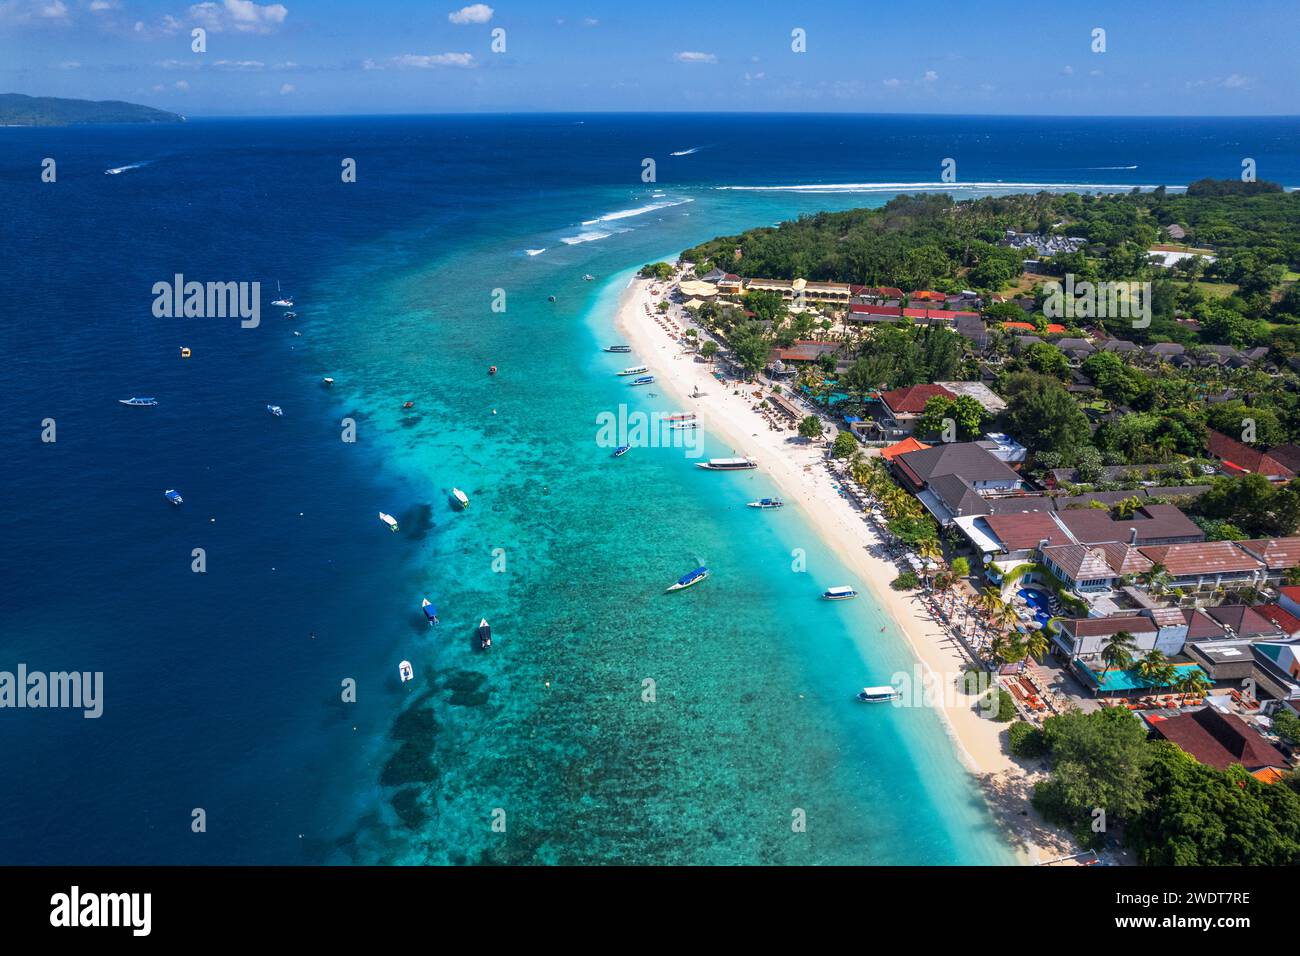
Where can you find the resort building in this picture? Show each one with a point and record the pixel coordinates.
(1219, 740)
(1150, 525)
(901, 408)
(989, 400)
(1209, 564)
(1084, 568)
(958, 479)
(1241, 458)
(1004, 448)
(1278, 555)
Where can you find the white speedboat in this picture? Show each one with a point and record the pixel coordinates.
(405, 671)
(727, 464)
(138, 402)
(461, 498)
(634, 370)
(388, 520)
(765, 503)
(484, 634)
(275, 410)
(840, 592)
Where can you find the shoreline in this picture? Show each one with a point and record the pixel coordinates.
(798, 471)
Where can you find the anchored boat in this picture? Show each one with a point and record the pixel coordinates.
(484, 634)
(275, 410)
(137, 401)
(461, 498)
(840, 593)
(430, 612)
(634, 370)
(405, 671)
(388, 520)
(643, 380)
(687, 580)
(727, 464)
(877, 695)
(174, 496)
(766, 503)
(618, 348)
(622, 450)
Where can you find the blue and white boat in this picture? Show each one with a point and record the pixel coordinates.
(687, 580)
(484, 634)
(766, 503)
(727, 464)
(275, 410)
(622, 450)
(430, 612)
(618, 348)
(635, 370)
(405, 671)
(137, 401)
(841, 592)
(174, 496)
(877, 695)
(643, 380)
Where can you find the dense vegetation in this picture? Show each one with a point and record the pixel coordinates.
(19, 110)
(1106, 776)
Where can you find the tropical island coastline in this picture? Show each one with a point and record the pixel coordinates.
(17, 109)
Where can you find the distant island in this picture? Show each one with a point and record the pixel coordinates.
(19, 110)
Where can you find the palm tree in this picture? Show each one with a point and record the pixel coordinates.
(1153, 667)
(1118, 652)
(1155, 578)
(1194, 682)
(1036, 644)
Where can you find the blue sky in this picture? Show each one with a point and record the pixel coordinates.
(399, 56)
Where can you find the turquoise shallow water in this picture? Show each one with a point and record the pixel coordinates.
(753, 677)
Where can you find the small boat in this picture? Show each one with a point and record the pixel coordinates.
(185, 352)
(405, 671)
(174, 496)
(727, 464)
(461, 498)
(686, 580)
(275, 410)
(550, 298)
(388, 520)
(296, 332)
(622, 450)
(327, 380)
(643, 380)
(634, 370)
(682, 426)
(137, 401)
(430, 612)
(291, 315)
(878, 695)
(680, 417)
(841, 592)
(767, 503)
(618, 348)
(284, 300)
(408, 404)
(484, 634)
(588, 277)
(492, 369)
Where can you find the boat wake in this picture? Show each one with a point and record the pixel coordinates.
(638, 211)
(121, 169)
(687, 152)
(585, 237)
(535, 252)
(937, 187)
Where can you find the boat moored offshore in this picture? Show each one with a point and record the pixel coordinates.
(634, 370)
(687, 580)
(643, 380)
(138, 402)
(405, 671)
(727, 464)
(622, 450)
(766, 503)
(878, 695)
(275, 410)
(840, 592)
(388, 520)
(430, 612)
(174, 496)
(618, 348)
(484, 634)
(462, 499)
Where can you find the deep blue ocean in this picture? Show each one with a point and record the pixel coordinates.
(222, 690)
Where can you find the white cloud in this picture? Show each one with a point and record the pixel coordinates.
(590, 22)
(181, 85)
(1236, 81)
(1067, 70)
(474, 13)
(242, 16)
(101, 5)
(55, 10)
(240, 65)
(931, 76)
(892, 82)
(749, 77)
(692, 56)
(69, 65)
(287, 88)
(429, 61)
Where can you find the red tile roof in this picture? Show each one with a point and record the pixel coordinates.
(912, 399)
(1277, 553)
(1053, 328)
(875, 309)
(1280, 616)
(1242, 457)
(1105, 626)
(1020, 531)
(927, 296)
(1220, 740)
(902, 448)
(1207, 557)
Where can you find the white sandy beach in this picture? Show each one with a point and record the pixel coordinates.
(799, 472)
